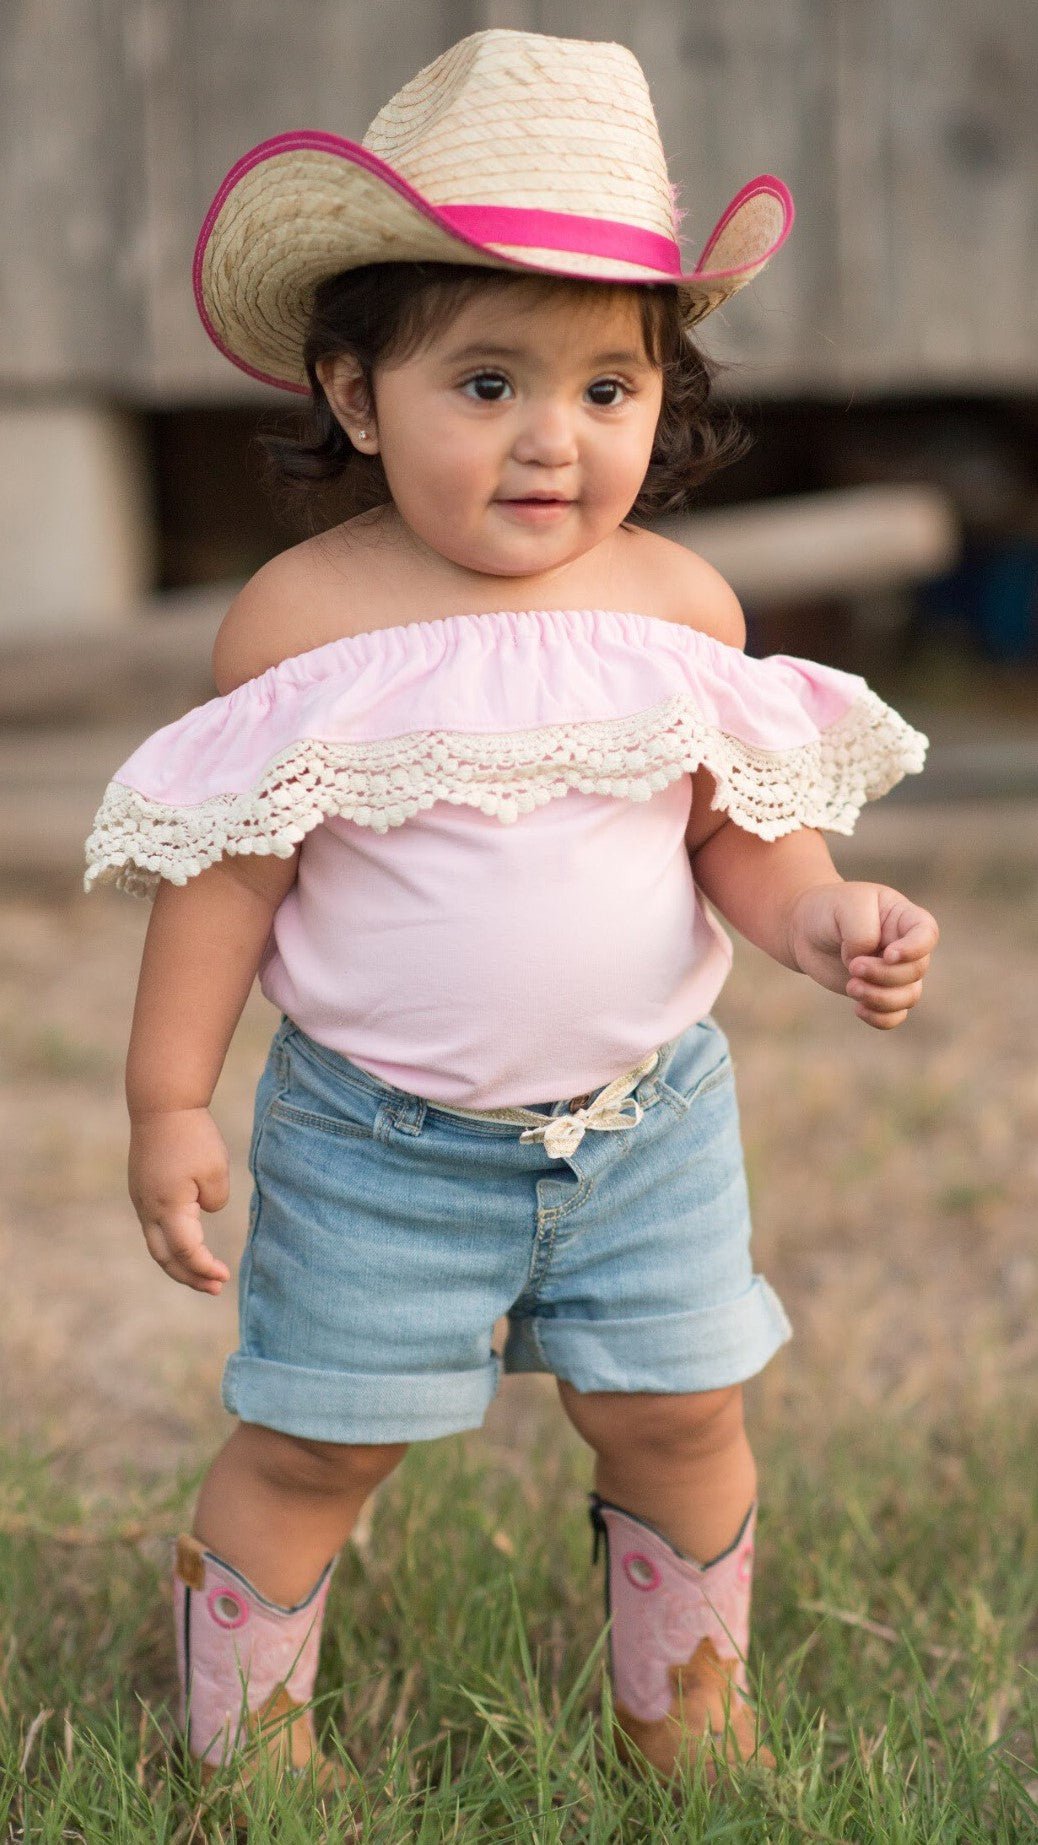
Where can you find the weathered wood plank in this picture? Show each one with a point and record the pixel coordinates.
(962, 193)
(73, 295)
(847, 543)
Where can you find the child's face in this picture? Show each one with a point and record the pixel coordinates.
(518, 438)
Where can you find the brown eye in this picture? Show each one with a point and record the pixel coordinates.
(487, 387)
(606, 392)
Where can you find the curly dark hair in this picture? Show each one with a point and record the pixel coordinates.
(387, 310)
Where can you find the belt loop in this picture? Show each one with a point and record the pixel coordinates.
(649, 1088)
(406, 1113)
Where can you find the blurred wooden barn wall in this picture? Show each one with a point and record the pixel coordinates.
(905, 128)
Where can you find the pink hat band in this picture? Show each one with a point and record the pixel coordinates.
(562, 230)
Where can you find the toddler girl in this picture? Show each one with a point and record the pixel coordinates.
(480, 752)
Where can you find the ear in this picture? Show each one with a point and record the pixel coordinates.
(349, 400)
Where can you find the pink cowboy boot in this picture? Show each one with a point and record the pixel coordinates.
(677, 1645)
(227, 1633)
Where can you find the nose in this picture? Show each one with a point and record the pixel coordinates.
(547, 436)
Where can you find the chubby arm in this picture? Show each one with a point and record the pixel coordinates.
(786, 895)
(755, 883)
(201, 953)
(203, 947)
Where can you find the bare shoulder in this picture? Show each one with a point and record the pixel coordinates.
(687, 589)
(266, 622)
(299, 599)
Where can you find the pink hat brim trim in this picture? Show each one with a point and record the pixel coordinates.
(482, 227)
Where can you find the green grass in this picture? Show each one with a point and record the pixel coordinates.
(895, 1639)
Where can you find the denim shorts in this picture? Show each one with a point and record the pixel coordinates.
(387, 1237)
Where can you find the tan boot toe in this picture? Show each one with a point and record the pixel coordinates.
(280, 1739)
(709, 1717)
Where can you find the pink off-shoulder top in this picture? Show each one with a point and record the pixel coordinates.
(494, 904)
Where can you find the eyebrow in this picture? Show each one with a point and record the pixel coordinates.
(479, 351)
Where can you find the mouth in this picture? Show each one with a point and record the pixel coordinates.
(535, 508)
(536, 499)
(537, 505)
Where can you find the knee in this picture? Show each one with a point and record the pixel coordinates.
(661, 1428)
(321, 1467)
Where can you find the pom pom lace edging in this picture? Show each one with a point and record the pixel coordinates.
(824, 782)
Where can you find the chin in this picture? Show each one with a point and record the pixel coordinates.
(495, 561)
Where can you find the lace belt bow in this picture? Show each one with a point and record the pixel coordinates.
(561, 1134)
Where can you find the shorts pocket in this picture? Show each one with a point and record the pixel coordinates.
(701, 1062)
(313, 1094)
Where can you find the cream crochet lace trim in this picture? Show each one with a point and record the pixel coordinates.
(824, 783)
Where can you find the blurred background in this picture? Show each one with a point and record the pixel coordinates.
(885, 520)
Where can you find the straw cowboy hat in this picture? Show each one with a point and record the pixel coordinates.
(510, 151)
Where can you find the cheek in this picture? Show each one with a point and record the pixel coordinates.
(440, 463)
(451, 479)
(620, 464)
(421, 464)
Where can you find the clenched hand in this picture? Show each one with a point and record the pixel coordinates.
(867, 941)
(178, 1168)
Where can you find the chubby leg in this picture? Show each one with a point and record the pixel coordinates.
(682, 1462)
(278, 1507)
(249, 1589)
(675, 1500)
